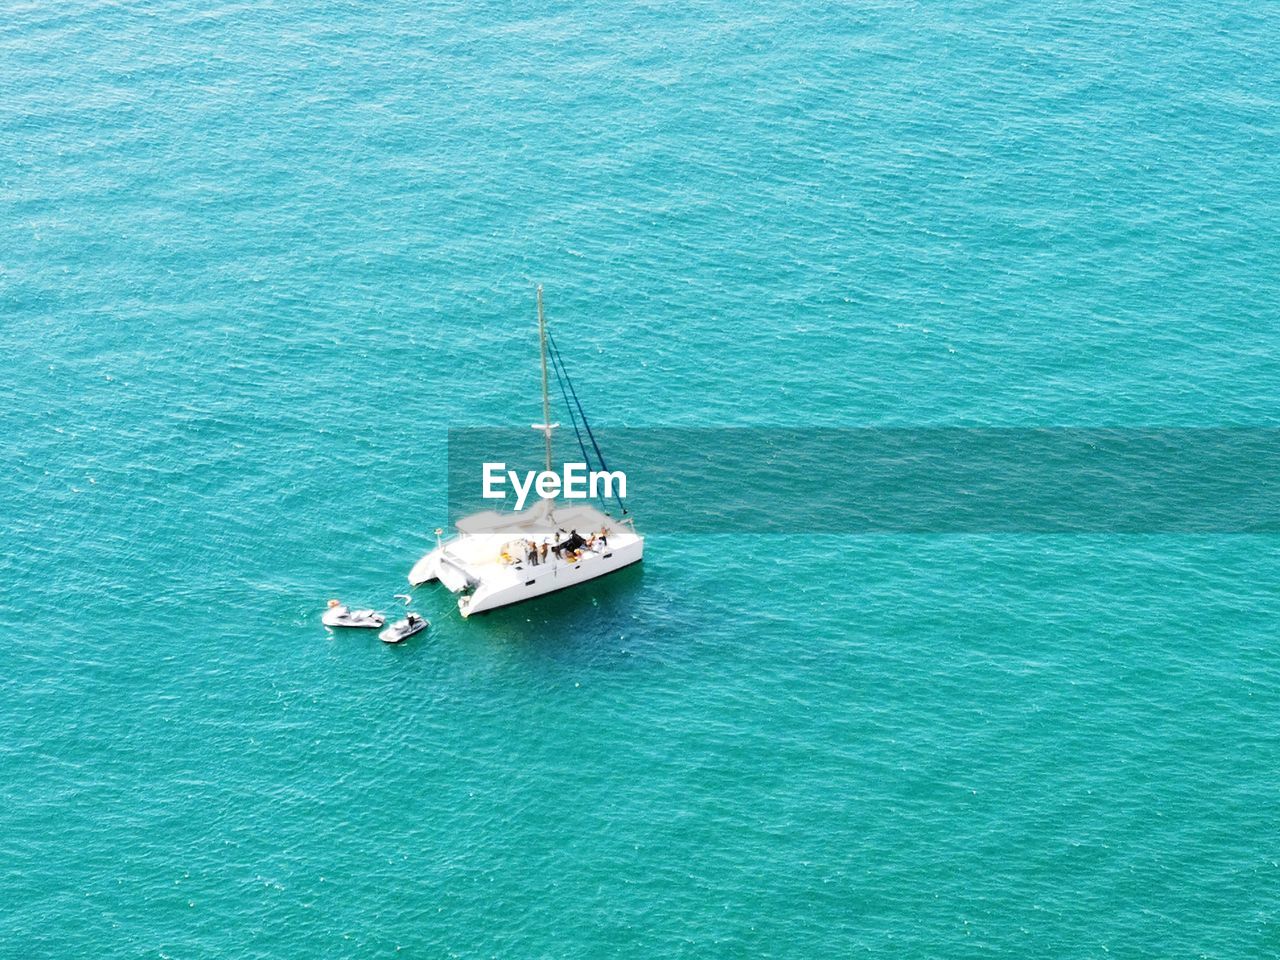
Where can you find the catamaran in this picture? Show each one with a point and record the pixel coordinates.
(497, 559)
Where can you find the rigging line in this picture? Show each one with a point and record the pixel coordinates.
(582, 413)
(563, 371)
(560, 381)
(573, 417)
(586, 457)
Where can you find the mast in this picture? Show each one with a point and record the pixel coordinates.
(546, 395)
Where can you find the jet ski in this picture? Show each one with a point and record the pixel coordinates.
(339, 615)
(403, 628)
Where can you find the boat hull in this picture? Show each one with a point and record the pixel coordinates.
(548, 578)
(436, 566)
(398, 632)
(426, 569)
(361, 620)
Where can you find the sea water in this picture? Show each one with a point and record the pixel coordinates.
(257, 258)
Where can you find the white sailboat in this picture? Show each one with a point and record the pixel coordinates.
(489, 562)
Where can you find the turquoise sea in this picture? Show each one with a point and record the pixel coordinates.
(256, 258)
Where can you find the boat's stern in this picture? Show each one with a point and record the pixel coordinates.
(426, 569)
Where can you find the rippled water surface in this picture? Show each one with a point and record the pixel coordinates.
(257, 258)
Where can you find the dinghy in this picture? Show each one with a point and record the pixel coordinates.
(402, 629)
(339, 615)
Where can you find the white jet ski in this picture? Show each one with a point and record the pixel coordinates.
(403, 628)
(339, 615)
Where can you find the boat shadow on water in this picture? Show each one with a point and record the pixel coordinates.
(581, 617)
